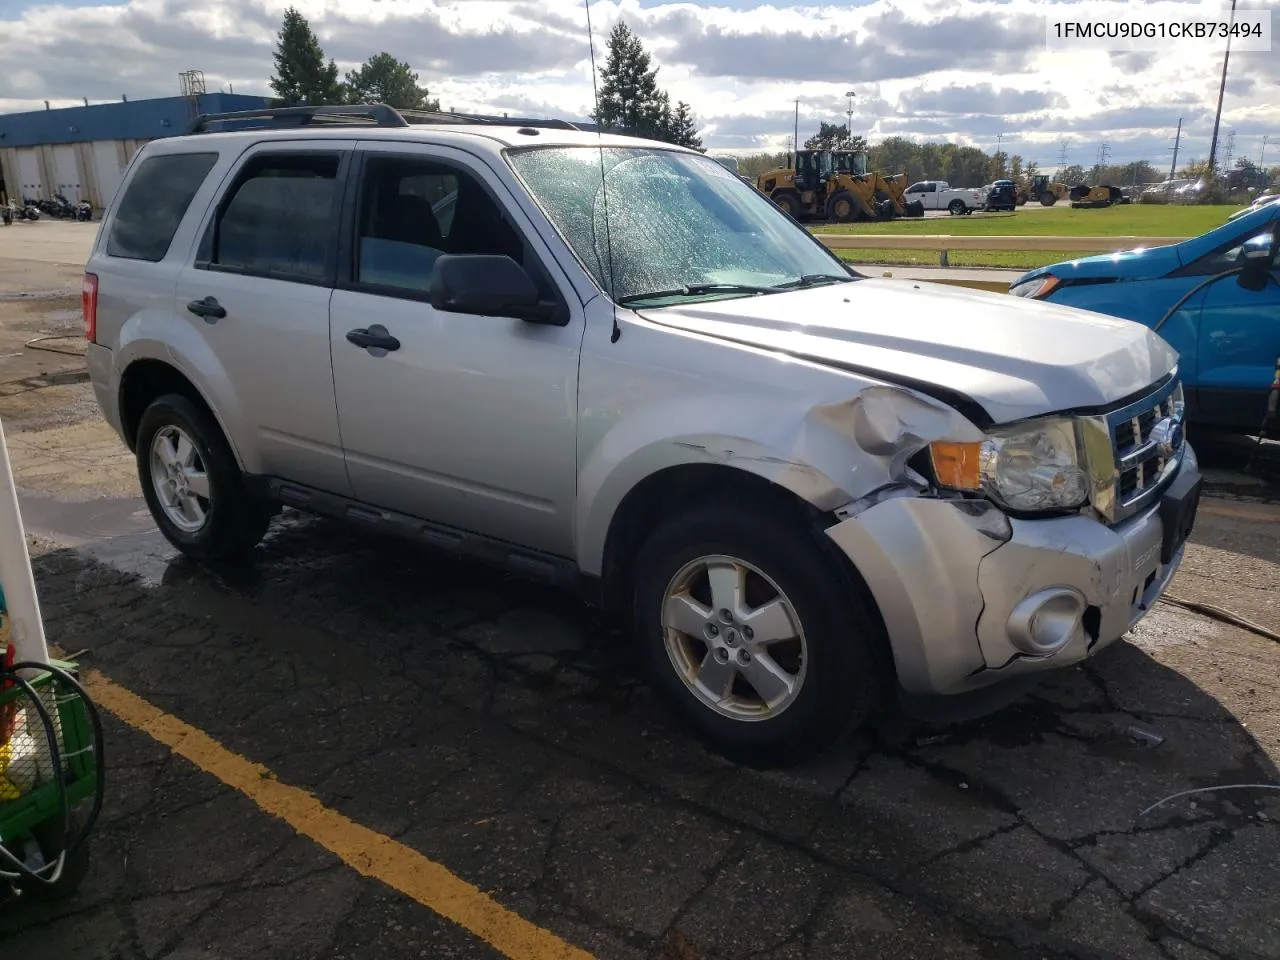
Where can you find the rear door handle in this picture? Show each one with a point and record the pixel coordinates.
(209, 308)
(375, 337)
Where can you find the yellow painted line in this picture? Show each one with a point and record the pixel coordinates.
(363, 850)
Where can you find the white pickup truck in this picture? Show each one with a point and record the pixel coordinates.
(940, 195)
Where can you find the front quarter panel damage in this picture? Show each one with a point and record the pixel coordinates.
(828, 453)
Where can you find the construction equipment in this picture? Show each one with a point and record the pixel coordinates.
(892, 188)
(1046, 191)
(814, 189)
(1085, 197)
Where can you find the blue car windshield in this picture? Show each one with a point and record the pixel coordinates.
(670, 222)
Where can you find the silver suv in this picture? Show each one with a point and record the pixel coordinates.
(610, 363)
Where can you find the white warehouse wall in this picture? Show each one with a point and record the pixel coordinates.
(79, 171)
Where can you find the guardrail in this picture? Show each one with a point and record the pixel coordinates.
(944, 243)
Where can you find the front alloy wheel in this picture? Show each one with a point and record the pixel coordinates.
(752, 631)
(734, 638)
(180, 479)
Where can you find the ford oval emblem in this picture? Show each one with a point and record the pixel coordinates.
(1167, 436)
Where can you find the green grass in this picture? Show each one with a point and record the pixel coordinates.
(1004, 259)
(1132, 220)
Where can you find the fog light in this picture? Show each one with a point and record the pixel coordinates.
(1045, 622)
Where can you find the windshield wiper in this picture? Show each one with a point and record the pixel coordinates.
(694, 290)
(812, 280)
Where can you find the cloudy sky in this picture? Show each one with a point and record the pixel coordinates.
(964, 70)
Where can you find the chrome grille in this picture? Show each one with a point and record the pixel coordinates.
(1132, 452)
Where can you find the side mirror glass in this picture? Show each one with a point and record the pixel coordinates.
(488, 286)
(1257, 259)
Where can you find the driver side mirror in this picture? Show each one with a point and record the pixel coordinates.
(490, 286)
(1257, 259)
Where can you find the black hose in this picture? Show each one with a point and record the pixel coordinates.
(69, 844)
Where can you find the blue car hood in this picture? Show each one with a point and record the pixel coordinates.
(1153, 262)
(1140, 264)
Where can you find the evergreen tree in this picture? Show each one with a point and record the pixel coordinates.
(629, 98)
(302, 76)
(684, 132)
(384, 79)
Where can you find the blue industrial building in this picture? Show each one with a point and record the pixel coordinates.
(82, 152)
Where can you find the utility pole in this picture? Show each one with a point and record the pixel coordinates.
(1062, 159)
(796, 138)
(1222, 89)
(999, 160)
(849, 113)
(1104, 151)
(1177, 141)
(1263, 152)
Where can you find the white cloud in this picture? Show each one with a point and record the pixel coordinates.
(960, 69)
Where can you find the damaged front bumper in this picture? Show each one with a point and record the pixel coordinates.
(971, 597)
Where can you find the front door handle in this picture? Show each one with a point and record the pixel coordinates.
(375, 337)
(209, 308)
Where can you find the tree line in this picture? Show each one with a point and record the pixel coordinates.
(630, 100)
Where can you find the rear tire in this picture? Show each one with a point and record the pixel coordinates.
(957, 207)
(192, 483)
(842, 208)
(831, 669)
(788, 203)
(1048, 198)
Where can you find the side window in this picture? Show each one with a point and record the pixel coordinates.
(279, 218)
(154, 204)
(412, 211)
(929, 188)
(1224, 259)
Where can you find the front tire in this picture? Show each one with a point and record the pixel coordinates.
(192, 483)
(749, 630)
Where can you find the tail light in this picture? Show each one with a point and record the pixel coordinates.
(89, 306)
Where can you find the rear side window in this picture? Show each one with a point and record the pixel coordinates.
(280, 218)
(154, 204)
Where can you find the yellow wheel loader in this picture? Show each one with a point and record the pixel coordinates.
(814, 189)
(1046, 191)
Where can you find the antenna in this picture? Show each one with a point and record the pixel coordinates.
(604, 192)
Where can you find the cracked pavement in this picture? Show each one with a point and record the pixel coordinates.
(498, 727)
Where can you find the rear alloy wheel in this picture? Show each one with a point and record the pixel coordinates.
(751, 633)
(956, 207)
(193, 484)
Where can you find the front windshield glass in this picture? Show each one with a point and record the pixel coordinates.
(678, 225)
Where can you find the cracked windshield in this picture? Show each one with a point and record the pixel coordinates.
(660, 222)
(639, 480)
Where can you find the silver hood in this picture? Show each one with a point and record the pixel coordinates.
(1014, 357)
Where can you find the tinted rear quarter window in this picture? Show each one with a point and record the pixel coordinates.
(154, 204)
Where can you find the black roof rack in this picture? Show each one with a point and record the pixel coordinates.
(363, 114)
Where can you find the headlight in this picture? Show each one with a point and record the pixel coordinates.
(1033, 467)
(1036, 289)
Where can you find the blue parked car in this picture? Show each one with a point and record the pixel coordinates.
(1227, 334)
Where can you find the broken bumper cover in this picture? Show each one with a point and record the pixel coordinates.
(971, 597)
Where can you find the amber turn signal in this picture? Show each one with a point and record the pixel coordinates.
(956, 466)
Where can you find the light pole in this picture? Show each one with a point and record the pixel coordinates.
(1263, 152)
(849, 123)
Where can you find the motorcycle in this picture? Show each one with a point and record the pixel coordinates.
(84, 211)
